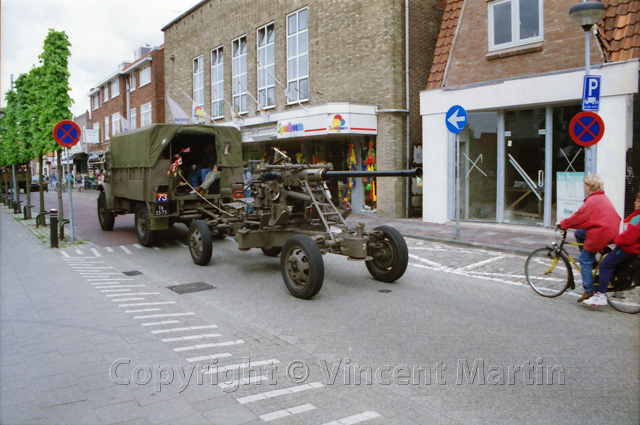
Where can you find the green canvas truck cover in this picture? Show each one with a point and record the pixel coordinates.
(142, 147)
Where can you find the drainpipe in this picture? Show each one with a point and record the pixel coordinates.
(406, 55)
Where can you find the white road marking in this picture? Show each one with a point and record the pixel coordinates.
(191, 337)
(125, 249)
(164, 322)
(142, 310)
(287, 412)
(109, 249)
(135, 293)
(64, 254)
(181, 244)
(217, 344)
(116, 290)
(152, 316)
(119, 300)
(137, 245)
(355, 419)
(278, 393)
(482, 263)
(95, 252)
(187, 328)
(143, 304)
(208, 357)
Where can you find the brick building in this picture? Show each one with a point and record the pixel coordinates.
(131, 97)
(322, 80)
(517, 67)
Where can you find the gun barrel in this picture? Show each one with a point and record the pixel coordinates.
(329, 175)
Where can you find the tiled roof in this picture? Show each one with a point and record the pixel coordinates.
(444, 44)
(619, 30)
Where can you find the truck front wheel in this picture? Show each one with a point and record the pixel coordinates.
(200, 243)
(105, 217)
(146, 236)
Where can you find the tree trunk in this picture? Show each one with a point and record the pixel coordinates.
(41, 179)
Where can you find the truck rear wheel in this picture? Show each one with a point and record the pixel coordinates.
(200, 242)
(105, 217)
(302, 266)
(146, 236)
(390, 258)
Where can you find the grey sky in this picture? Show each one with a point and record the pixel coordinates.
(103, 33)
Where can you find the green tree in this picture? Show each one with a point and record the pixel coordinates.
(53, 99)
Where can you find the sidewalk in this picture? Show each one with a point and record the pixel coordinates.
(514, 239)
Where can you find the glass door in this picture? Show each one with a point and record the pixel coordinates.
(524, 164)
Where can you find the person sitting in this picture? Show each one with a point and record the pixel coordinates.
(598, 223)
(200, 170)
(209, 179)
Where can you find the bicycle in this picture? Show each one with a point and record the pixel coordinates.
(549, 273)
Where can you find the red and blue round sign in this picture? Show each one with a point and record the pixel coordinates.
(586, 128)
(66, 133)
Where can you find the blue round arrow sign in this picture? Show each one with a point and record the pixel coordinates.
(66, 133)
(456, 119)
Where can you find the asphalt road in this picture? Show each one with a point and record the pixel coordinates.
(459, 338)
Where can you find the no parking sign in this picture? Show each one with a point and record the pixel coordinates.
(66, 133)
(586, 128)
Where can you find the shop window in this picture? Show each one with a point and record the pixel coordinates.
(514, 22)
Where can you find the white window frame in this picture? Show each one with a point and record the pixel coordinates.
(146, 118)
(133, 117)
(266, 66)
(107, 128)
(105, 94)
(515, 27)
(115, 124)
(132, 81)
(217, 82)
(198, 81)
(145, 75)
(95, 101)
(295, 75)
(114, 86)
(239, 73)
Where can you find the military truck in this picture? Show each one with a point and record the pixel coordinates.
(146, 174)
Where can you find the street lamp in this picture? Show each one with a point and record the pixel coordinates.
(586, 14)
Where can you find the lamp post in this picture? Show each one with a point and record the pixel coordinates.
(586, 14)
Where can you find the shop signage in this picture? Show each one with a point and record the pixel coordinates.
(323, 124)
(586, 128)
(569, 193)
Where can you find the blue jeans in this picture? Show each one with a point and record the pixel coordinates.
(586, 260)
(608, 266)
(196, 177)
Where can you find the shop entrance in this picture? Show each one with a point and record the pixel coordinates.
(509, 161)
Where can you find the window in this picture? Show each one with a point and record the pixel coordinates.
(239, 74)
(133, 116)
(115, 88)
(217, 83)
(514, 22)
(105, 94)
(266, 67)
(115, 120)
(297, 56)
(132, 81)
(145, 115)
(198, 81)
(95, 101)
(145, 75)
(106, 128)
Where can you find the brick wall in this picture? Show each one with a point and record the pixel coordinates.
(562, 47)
(356, 54)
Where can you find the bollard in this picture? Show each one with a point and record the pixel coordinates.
(53, 227)
(16, 207)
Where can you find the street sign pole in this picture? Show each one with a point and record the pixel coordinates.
(70, 186)
(457, 168)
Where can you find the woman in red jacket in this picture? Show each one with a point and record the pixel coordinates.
(627, 246)
(598, 223)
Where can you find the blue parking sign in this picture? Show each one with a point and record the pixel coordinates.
(591, 93)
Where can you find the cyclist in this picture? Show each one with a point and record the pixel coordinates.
(627, 245)
(597, 223)
(635, 215)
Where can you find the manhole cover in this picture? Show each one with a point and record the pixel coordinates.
(188, 288)
(384, 291)
(133, 273)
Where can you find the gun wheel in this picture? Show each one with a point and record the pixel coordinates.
(302, 266)
(390, 255)
(200, 242)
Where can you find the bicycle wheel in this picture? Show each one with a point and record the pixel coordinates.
(626, 301)
(547, 272)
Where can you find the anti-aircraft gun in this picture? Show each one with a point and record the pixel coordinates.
(292, 214)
